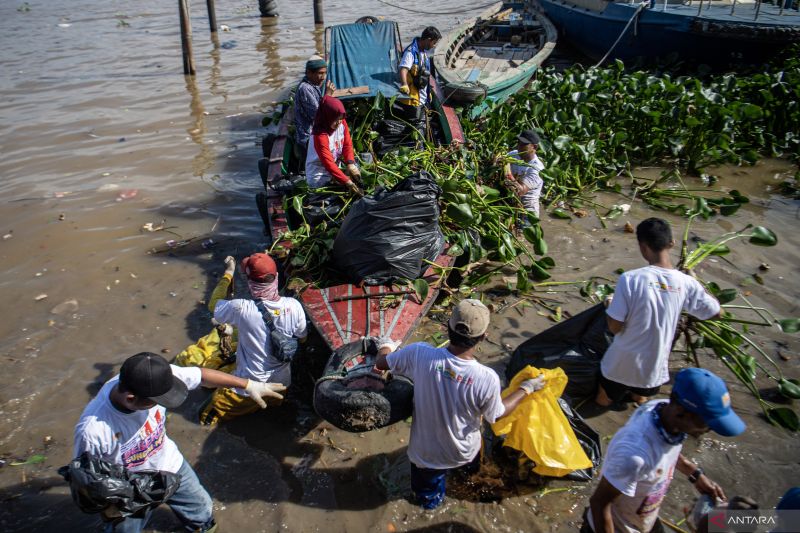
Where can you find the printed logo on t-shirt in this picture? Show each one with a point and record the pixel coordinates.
(147, 442)
(452, 375)
(652, 502)
(664, 287)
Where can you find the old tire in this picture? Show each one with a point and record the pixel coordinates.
(372, 404)
(464, 93)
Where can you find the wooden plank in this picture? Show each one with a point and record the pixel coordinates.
(351, 91)
(473, 75)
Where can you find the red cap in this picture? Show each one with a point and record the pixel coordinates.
(259, 266)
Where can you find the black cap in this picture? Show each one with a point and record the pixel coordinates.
(149, 376)
(528, 137)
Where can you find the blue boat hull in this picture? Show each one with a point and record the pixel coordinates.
(714, 38)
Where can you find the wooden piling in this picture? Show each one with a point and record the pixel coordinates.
(318, 16)
(212, 15)
(186, 38)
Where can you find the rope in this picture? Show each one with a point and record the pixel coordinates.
(628, 25)
(454, 12)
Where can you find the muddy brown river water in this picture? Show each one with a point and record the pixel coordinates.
(101, 134)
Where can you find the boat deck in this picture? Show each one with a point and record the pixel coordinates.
(494, 57)
(740, 12)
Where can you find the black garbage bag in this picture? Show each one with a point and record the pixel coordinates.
(393, 133)
(589, 440)
(289, 184)
(98, 486)
(318, 207)
(575, 345)
(388, 235)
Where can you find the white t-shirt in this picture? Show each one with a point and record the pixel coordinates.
(407, 61)
(639, 463)
(528, 175)
(254, 352)
(316, 175)
(450, 396)
(649, 301)
(136, 440)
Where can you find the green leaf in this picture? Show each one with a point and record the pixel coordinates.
(727, 295)
(761, 236)
(559, 212)
(540, 247)
(720, 249)
(784, 417)
(547, 262)
(530, 234)
(614, 213)
(523, 282)
(32, 460)
(422, 289)
(455, 251)
(789, 388)
(297, 203)
(790, 325)
(539, 273)
(461, 214)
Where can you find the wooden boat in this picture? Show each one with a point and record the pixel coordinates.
(345, 313)
(719, 33)
(493, 56)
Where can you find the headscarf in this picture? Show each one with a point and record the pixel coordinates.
(264, 290)
(330, 109)
(315, 62)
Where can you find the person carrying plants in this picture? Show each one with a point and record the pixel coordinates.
(453, 392)
(331, 144)
(414, 72)
(270, 327)
(306, 102)
(522, 175)
(643, 316)
(125, 425)
(643, 455)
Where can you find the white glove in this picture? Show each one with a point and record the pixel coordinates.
(258, 391)
(532, 385)
(230, 265)
(386, 342)
(353, 170)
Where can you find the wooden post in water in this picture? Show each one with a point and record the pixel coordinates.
(212, 15)
(318, 18)
(186, 39)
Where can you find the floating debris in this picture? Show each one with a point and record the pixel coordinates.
(40, 297)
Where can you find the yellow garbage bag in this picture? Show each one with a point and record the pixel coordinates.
(539, 429)
(207, 353)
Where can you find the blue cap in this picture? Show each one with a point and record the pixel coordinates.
(703, 393)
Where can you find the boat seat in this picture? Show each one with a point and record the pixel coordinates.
(473, 74)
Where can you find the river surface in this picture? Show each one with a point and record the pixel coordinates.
(102, 134)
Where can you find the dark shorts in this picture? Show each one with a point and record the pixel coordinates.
(586, 528)
(429, 484)
(617, 391)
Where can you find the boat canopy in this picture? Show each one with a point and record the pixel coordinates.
(364, 56)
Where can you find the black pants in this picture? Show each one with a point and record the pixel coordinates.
(617, 391)
(658, 527)
(416, 116)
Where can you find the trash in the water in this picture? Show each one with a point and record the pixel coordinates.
(127, 194)
(173, 294)
(172, 243)
(48, 440)
(67, 306)
(763, 266)
(133, 275)
(629, 227)
(165, 350)
(224, 27)
(8, 235)
(40, 297)
(32, 460)
(61, 194)
(121, 140)
(64, 25)
(208, 243)
(61, 216)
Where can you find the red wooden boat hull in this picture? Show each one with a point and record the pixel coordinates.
(345, 321)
